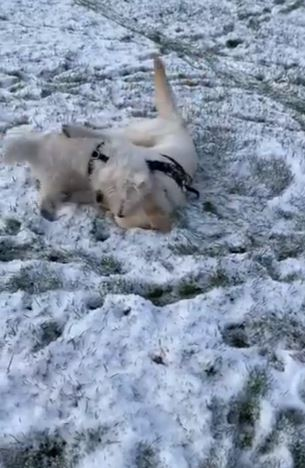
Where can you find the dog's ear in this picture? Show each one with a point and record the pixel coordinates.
(157, 218)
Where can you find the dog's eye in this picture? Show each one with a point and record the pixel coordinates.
(99, 196)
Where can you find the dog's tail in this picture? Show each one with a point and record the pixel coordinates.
(21, 149)
(165, 101)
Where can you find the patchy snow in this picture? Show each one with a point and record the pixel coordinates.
(134, 349)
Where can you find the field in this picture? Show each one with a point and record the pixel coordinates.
(136, 349)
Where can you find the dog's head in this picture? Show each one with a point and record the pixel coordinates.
(120, 188)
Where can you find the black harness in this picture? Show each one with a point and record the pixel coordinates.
(96, 155)
(174, 170)
(171, 168)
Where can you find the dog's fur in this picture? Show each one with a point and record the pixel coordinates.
(135, 196)
(61, 166)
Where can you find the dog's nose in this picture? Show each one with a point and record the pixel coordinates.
(120, 213)
(99, 196)
(65, 130)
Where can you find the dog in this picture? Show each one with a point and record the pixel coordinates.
(124, 170)
(148, 179)
(65, 168)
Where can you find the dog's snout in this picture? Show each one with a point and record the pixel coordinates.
(99, 197)
(120, 213)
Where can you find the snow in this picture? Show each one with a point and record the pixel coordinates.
(135, 349)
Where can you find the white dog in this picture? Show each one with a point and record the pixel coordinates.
(145, 181)
(140, 172)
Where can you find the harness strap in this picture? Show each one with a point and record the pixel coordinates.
(193, 190)
(96, 155)
(175, 171)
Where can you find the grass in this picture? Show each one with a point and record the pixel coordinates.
(234, 335)
(44, 452)
(188, 290)
(266, 332)
(292, 6)
(155, 294)
(146, 456)
(110, 266)
(12, 226)
(159, 296)
(184, 248)
(232, 43)
(212, 246)
(219, 280)
(116, 286)
(99, 231)
(59, 256)
(10, 250)
(288, 246)
(297, 449)
(169, 294)
(245, 409)
(288, 426)
(33, 281)
(274, 174)
(105, 266)
(210, 207)
(48, 332)
(88, 441)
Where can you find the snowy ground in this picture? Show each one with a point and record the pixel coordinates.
(138, 350)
